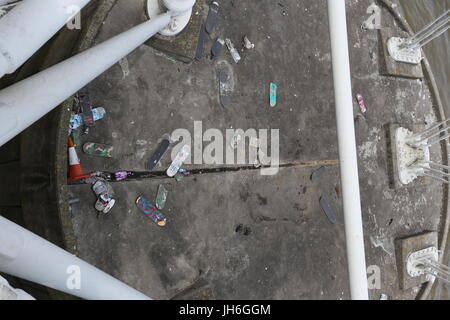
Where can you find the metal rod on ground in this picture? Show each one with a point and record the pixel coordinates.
(347, 150)
(25, 255)
(27, 101)
(29, 25)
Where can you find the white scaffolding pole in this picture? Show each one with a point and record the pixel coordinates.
(28, 26)
(27, 101)
(25, 255)
(347, 150)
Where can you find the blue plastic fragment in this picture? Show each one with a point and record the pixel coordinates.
(76, 120)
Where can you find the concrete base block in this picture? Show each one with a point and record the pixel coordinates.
(403, 248)
(394, 180)
(389, 66)
(183, 46)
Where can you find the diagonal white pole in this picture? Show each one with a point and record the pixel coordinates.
(347, 150)
(27, 101)
(25, 255)
(29, 26)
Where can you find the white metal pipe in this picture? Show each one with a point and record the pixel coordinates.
(347, 150)
(25, 255)
(29, 26)
(27, 101)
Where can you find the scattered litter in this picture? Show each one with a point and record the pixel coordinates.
(257, 163)
(161, 197)
(75, 171)
(317, 173)
(85, 105)
(102, 187)
(235, 140)
(234, 53)
(182, 155)
(384, 297)
(74, 138)
(151, 211)
(327, 210)
(361, 103)
(211, 19)
(247, 43)
(158, 154)
(184, 172)
(98, 149)
(71, 203)
(121, 175)
(273, 94)
(259, 158)
(337, 189)
(105, 195)
(226, 82)
(76, 120)
(104, 203)
(124, 65)
(217, 47)
(254, 142)
(254, 145)
(200, 44)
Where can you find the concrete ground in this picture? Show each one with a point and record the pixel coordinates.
(293, 251)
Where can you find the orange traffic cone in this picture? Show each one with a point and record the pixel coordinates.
(75, 170)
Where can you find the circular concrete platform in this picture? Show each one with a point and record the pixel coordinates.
(293, 251)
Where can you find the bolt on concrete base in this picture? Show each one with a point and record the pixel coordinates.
(396, 166)
(181, 47)
(390, 67)
(404, 247)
